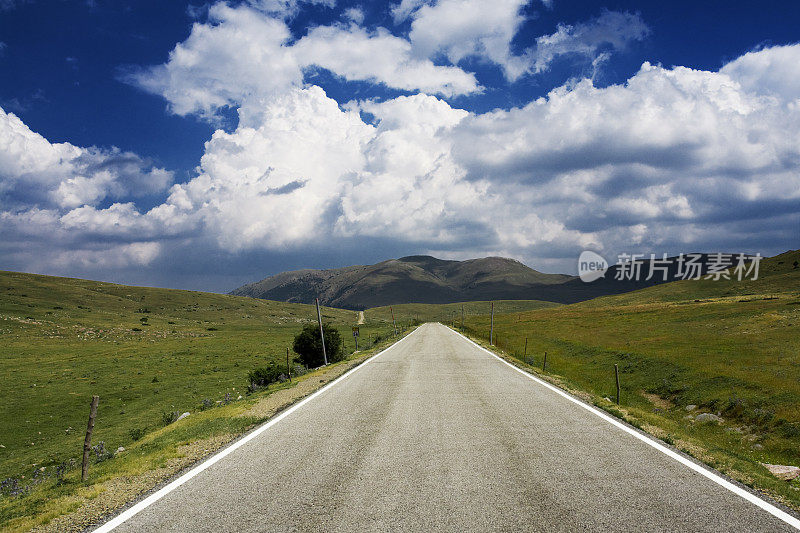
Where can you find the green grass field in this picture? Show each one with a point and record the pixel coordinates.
(730, 348)
(144, 351)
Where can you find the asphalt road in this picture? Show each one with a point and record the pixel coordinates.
(436, 434)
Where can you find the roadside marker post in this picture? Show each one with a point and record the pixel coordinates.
(321, 333)
(616, 376)
(87, 443)
(544, 363)
(394, 324)
(288, 368)
(525, 353)
(355, 335)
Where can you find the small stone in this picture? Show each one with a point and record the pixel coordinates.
(691, 407)
(704, 418)
(758, 446)
(240, 397)
(120, 449)
(784, 472)
(184, 415)
(606, 398)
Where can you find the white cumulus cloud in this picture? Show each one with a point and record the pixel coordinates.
(240, 53)
(35, 171)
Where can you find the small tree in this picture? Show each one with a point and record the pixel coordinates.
(308, 345)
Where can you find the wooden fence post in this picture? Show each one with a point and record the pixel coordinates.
(87, 444)
(288, 368)
(525, 354)
(616, 376)
(491, 328)
(544, 363)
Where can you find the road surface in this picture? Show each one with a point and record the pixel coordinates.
(436, 434)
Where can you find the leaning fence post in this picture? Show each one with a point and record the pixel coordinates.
(616, 376)
(87, 444)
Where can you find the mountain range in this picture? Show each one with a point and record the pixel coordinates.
(426, 279)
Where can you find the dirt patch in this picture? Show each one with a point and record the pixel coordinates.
(658, 401)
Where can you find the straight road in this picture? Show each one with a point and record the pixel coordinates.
(436, 434)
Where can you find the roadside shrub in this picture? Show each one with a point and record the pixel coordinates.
(100, 452)
(308, 345)
(264, 376)
(788, 429)
(206, 404)
(168, 417)
(136, 433)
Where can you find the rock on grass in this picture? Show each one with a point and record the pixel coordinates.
(784, 472)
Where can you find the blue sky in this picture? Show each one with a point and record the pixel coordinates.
(205, 145)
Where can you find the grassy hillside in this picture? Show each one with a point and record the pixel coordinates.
(448, 313)
(729, 348)
(144, 351)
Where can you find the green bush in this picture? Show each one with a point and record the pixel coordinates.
(262, 377)
(308, 345)
(168, 417)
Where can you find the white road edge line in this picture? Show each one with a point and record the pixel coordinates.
(150, 500)
(752, 498)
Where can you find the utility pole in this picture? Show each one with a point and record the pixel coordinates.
(321, 333)
(491, 329)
